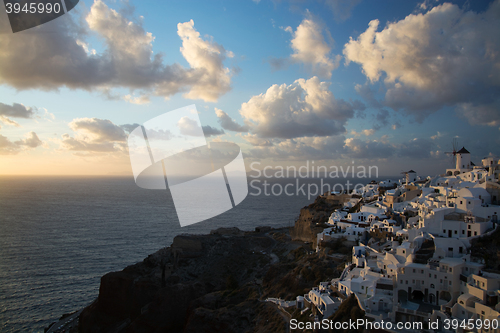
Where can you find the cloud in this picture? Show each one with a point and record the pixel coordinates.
(228, 123)
(382, 149)
(139, 100)
(305, 108)
(368, 132)
(300, 149)
(98, 130)
(437, 136)
(444, 57)
(211, 131)
(254, 140)
(8, 147)
(129, 127)
(8, 121)
(159, 134)
(188, 126)
(96, 135)
(310, 48)
(206, 59)
(15, 110)
(128, 61)
(486, 114)
(32, 141)
(342, 8)
(370, 149)
(74, 144)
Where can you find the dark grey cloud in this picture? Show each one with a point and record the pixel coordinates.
(211, 131)
(228, 123)
(129, 127)
(16, 110)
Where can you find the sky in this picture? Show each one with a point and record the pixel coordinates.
(374, 83)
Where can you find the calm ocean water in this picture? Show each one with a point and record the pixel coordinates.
(59, 235)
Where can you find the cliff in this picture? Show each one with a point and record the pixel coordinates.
(209, 283)
(312, 218)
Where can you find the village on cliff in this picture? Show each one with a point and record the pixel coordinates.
(420, 268)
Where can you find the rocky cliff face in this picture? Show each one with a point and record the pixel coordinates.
(311, 218)
(211, 283)
(212, 279)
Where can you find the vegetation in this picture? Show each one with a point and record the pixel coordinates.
(488, 249)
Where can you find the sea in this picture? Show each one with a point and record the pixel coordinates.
(59, 235)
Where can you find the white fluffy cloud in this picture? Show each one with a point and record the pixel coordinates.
(212, 79)
(445, 56)
(95, 135)
(310, 48)
(98, 130)
(64, 59)
(306, 108)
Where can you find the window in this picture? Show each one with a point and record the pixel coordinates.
(456, 232)
(414, 271)
(440, 280)
(401, 281)
(463, 232)
(460, 249)
(460, 202)
(406, 281)
(430, 275)
(432, 285)
(413, 281)
(421, 271)
(468, 227)
(444, 231)
(435, 276)
(451, 269)
(450, 282)
(475, 233)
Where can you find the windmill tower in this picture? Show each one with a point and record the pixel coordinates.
(463, 159)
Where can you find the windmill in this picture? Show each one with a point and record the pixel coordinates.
(454, 144)
(407, 177)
